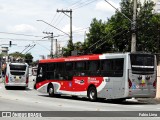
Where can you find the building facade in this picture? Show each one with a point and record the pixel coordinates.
(157, 5)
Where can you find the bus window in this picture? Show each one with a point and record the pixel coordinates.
(17, 67)
(59, 71)
(94, 68)
(50, 71)
(142, 63)
(112, 67)
(80, 68)
(69, 67)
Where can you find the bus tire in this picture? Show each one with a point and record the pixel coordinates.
(92, 94)
(51, 90)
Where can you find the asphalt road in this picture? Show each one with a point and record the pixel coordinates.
(31, 100)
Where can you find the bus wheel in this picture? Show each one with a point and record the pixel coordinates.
(92, 94)
(51, 90)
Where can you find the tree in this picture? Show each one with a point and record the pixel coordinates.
(17, 55)
(115, 34)
(117, 31)
(97, 39)
(28, 58)
(147, 28)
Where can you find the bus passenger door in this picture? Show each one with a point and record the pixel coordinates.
(40, 73)
(113, 72)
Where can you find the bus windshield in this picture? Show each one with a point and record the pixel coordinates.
(17, 67)
(142, 62)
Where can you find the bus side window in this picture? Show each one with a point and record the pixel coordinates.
(50, 71)
(69, 67)
(94, 68)
(112, 67)
(59, 71)
(80, 68)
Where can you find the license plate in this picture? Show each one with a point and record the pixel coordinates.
(17, 77)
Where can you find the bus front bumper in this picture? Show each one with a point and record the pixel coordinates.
(17, 84)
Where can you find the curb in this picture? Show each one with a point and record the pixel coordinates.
(149, 100)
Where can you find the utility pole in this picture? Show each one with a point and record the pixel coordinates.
(51, 33)
(133, 42)
(56, 48)
(70, 16)
(133, 23)
(51, 37)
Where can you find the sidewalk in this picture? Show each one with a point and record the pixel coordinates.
(149, 100)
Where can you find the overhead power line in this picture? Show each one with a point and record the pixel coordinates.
(20, 39)
(84, 4)
(20, 34)
(42, 46)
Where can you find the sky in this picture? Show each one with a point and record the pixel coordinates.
(20, 17)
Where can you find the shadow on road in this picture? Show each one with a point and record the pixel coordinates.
(126, 102)
(18, 88)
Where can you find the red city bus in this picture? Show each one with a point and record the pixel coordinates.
(109, 76)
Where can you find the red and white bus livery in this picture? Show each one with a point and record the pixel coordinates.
(109, 76)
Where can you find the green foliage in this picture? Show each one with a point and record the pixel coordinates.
(114, 35)
(28, 58)
(17, 55)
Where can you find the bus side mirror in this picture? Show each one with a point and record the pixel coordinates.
(40, 75)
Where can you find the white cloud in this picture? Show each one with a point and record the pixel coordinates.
(15, 12)
(23, 28)
(1, 7)
(104, 6)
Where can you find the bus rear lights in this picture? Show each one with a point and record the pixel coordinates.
(154, 84)
(129, 83)
(27, 80)
(7, 79)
